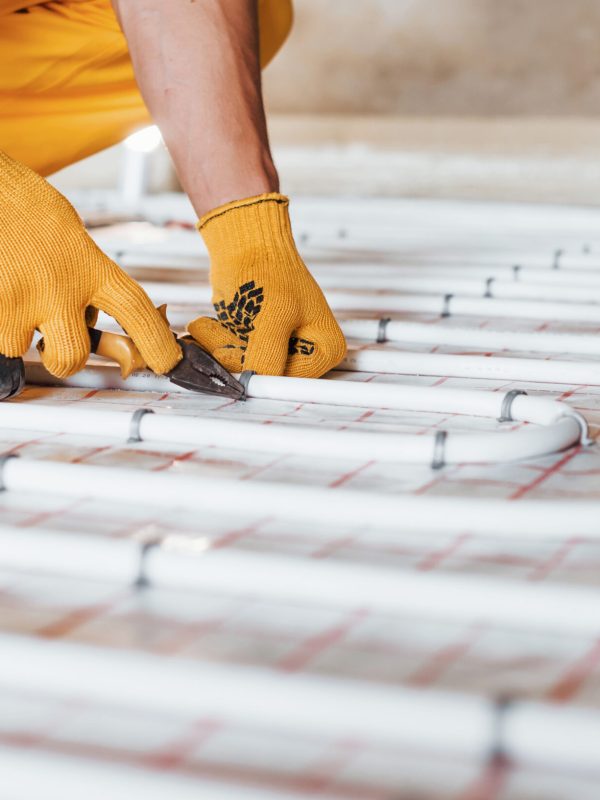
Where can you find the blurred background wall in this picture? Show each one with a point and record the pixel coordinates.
(440, 57)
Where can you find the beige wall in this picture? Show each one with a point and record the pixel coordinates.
(451, 57)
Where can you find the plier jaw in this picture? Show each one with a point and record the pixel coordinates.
(200, 372)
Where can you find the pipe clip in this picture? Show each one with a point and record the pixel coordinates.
(488, 287)
(439, 450)
(134, 425)
(382, 330)
(3, 461)
(585, 439)
(244, 379)
(507, 402)
(141, 581)
(558, 254)
(446, 305)
(501, 708)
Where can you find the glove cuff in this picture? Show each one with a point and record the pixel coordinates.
(259, 199)
(258, 223)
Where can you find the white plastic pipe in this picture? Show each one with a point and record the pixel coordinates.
(170, 255)
(461, 285)
(378, 275)
(474, 338)
(395, 361)
(455, 724)
(30, 773)
(303, 504)
(560, 430)
(458, 305)
(190, 564)
(528, 370)
(185, 251)
(384, 301)
(306, 704)
(542, 410)
(401, 362)
(387, 360)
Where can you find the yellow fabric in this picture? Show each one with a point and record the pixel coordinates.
(67, 88)
(51, 272)
(272, 315)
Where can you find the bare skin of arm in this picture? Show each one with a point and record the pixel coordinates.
(197, 66)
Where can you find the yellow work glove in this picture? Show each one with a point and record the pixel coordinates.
(51, 272)
(272, 317)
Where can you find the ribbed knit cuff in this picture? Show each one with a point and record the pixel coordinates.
(261, 222)
(234, 204)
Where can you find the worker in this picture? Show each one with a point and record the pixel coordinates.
(77, 76)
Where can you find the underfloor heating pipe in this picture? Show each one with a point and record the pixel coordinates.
(461, 365)
(471, 365)
(30, 773)
(559, 429)
(455, 724)
(190, 564)
(165, 256)
(359, 358)
(391, 275)
(358, 509)
(536, 253)
(487, 287)
(485, 339)
(530, 286)
(384, 301)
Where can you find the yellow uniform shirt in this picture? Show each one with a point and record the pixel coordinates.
(67, 87)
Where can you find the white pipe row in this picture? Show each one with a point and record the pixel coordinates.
(529, 370)
(458, 305)
(474, 338)
(386, 360)
(306, 704)
(458, 725)
(29, 773)
(330, 236)
(166, 255)
(304, 504)
(561, 429)
(488, 287)
(448, 304)
(401, 362)
(190, 564)
(390, 275)
(542, 410)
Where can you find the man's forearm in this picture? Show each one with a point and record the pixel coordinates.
(197, 67)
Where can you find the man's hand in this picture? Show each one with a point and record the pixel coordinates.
(272, 316)
(52, 274)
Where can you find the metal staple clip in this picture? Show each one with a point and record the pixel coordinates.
(507, 402)
(244, 379)
(446, 306)
(557, 257)
(585, 438)
(502, 706)
(488, 287)
(439, 450)
(382, 330)
(141, 580)
(3, 461)
(134, 425)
